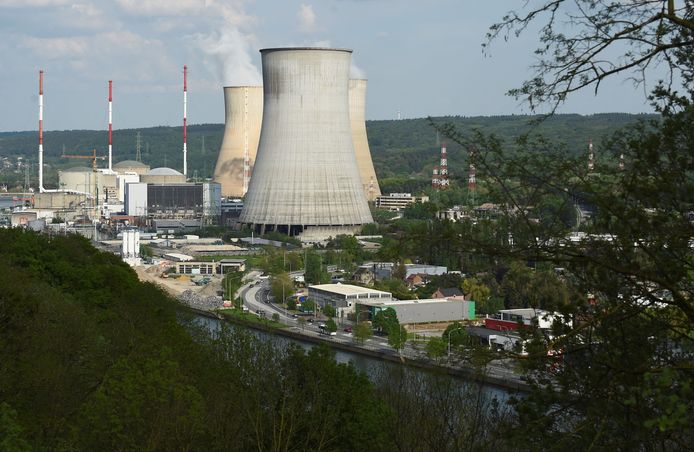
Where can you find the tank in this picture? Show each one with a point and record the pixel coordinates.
(357, 117)
(243, 114)
(306, 174)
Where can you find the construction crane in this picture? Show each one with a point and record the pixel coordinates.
(93, 157)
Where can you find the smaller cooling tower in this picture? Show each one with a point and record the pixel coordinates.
(243, 118)
(357, 115)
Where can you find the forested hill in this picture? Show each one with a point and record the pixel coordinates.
(403, 148)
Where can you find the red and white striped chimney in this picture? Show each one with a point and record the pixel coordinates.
(41, 131)
(185, 114)
(110, 124)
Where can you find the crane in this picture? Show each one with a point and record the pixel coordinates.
(93, 157)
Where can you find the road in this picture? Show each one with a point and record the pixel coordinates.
(255, 295)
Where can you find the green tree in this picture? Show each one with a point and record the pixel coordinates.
(330, 325)
(281, 286)
(11, 433)
(362, 331)
(329, 311)
(397, 336)
(386, 320)
(309, 306)
(632, 270)
(291, 304)
(456, 334)
(436, 348)
(275, 317)
(315, 271)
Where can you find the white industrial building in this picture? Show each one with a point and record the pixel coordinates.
(434, 310)
(398, 201)
(343, 297)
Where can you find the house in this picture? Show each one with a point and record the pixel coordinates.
(448, 292)
(363, 275)
(416, 280)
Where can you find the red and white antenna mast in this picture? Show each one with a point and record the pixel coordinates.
(110, 125)
(443, 173)
(591, 156)
(41, 190)
(185, 116)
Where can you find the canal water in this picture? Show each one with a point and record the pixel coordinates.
(367, 364)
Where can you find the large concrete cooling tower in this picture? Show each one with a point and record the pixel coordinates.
(357, 116)
(306, 180)
(242, 118)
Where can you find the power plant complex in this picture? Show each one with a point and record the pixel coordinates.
(294, 148)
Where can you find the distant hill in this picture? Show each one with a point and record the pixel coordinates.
(400, 149)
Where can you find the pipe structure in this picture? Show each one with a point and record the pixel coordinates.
(185, 115)
(110, 125)
(306, 175)
(41, 190)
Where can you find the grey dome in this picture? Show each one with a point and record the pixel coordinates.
(164, 171)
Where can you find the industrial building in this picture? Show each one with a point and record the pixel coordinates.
(210, 268)
(357, 118)
(343, 297)
(398, 201)
(306, 180)
(186, 200)
(435, 310)
(243, 115)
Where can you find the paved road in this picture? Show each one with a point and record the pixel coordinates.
(255, 295)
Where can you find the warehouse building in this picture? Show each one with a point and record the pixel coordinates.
(430, 311)
(343, 297)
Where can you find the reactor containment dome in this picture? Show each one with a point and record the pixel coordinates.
(243, 115)
(306, 175)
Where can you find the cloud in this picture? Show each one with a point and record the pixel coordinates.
(307, 18)
(161, 7)
(56, 48)
(228, 55)
(355, 72)
(32, 3)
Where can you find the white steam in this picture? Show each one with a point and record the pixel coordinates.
(229, 56)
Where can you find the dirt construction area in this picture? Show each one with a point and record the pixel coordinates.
(176, 286)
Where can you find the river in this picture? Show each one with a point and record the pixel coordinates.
(371, 366)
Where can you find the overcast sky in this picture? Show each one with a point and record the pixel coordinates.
(422, 58)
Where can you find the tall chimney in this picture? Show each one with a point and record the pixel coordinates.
(185, 114)
(41, 131)
(110, 125)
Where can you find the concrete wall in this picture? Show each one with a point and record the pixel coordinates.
(357, 117)
(306, 171)
(243, 115)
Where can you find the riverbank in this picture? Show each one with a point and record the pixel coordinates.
(465, 372)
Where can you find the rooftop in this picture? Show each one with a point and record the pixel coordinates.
(163, 171)
(347, 289)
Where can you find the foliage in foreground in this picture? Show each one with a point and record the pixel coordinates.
(92, 359)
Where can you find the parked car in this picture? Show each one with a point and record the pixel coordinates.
(348, 329)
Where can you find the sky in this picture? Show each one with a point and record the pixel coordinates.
(421, 57)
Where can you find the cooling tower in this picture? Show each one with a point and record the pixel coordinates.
(357, 117)
(242, 119)
(306, 174)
